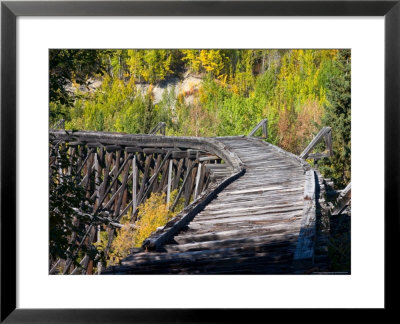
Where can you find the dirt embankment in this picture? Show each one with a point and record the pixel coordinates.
(188, 87)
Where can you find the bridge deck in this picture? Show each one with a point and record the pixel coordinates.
(253, 226)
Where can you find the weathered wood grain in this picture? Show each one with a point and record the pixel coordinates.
(304, 254)
(253, 203)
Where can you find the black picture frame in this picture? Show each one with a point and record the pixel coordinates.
(10, 10)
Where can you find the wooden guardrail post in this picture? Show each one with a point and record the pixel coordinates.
(159, 127)
(324, 134)
(59, 125)
(264, 124)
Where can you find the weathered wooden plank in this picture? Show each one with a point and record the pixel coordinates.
(197, 256)
(264, 189)
(157, 239)
(304, 254)
(192, 236)
(150, 150)
(250, 211)
(292, 216)
(113, 148)
(263, 239)
(256, 202)
(208, 158)
(133, 149)
(231, 212)
(191, 154)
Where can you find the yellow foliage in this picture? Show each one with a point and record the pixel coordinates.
(192, 57)
(121, 245)
(153, 213)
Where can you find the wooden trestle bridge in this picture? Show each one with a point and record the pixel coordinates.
(250, 207)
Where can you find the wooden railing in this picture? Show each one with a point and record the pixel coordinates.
(120, 171)
(264, 124)
(159, 127)
(324, 134)
(59, 124)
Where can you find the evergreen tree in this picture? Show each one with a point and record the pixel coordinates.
(338, 116)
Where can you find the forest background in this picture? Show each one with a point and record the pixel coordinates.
(298, 91)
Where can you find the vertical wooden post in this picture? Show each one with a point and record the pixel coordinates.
(164, 179)
(189, 166)
(265, 129)
(125, 176)
(71, 154)
(145, 176)
(134, 185)
(98, 242)
(169, 180)
(196, 190)
(157, 165)
(177, 177)
(97, 177)
(115, 187)
(201, 180)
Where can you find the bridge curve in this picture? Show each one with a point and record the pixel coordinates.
(258, 219)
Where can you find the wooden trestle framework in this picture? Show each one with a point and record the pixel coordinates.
(265, 222)
(119, 172)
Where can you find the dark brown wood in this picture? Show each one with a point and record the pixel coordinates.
(117, 172)
(133, 149)
(121, 194)
(135, 177)
(164, 177)
(154, 177)
(187, 176)
(177, 176)
(202, 179)
(144, 178)
(189, 167)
